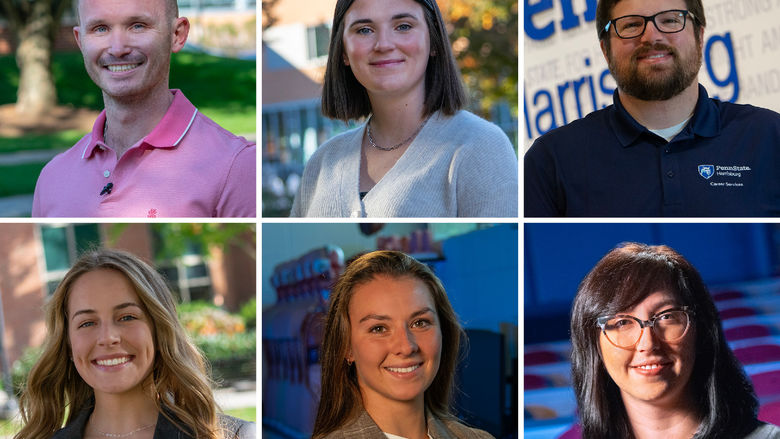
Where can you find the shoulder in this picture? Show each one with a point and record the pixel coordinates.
(237, 428)
(765, 431)
(456, 429)
(730, 112)
(574, 132)
(361, 427)
(72, 155)
(209, 133)
(469, 129)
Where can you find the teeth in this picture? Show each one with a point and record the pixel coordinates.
(403, 369)
(113, 361)
(650, 366)
(122, 67)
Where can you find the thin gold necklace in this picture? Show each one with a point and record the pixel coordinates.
(124, 434)
(372, 142)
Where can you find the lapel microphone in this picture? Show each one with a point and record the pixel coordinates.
(107, 189)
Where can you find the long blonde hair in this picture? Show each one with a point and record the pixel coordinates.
(179, 377)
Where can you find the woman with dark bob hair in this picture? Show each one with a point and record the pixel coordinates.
(418, 154)
(649, 358)
(389, 354)
(117, 363)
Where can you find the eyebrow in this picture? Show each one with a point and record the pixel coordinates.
(135, 18)
(116, 308)
(395, 17)
(417, 313)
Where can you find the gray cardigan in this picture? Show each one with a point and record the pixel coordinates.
(363, 427)
(459, 166)
(234, 427)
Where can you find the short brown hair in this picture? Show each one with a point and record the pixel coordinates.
(344, 98)
(340, 398)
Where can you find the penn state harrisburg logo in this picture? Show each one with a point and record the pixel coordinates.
(706, 171)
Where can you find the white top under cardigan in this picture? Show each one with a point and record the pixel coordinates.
(459, 166)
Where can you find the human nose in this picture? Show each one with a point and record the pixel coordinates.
(648, 340)
(118, 44)
(405, 343)
(108, 335)
(651, 32)
(384, 41)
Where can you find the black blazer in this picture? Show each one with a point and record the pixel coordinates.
(234, 428)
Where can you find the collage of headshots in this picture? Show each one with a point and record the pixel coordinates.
(384, 268)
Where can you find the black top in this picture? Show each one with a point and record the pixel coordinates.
(725, 162)
(234, 427)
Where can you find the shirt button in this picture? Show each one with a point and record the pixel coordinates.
(670, 174)
(106, 173)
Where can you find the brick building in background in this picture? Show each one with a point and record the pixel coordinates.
(35, 257)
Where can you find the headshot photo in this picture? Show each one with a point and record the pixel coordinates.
(116, 114)
(663, 111)
(407, 109)
(378, 331)
(656, 347)
(118, 331)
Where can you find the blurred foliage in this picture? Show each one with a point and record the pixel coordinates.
(484, 40)
(219, 347)
(22, 366)
(178, 239)
(199, 319)
(248, 312)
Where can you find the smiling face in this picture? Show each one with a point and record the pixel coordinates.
(655, 65)
(110, 334)
(652, 371)
(395, 339)
(387, 46)
(127, 45)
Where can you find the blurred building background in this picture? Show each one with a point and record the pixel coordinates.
(295, 40)
(477, 264)
(740, 264)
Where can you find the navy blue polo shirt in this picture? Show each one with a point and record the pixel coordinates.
(724, 163)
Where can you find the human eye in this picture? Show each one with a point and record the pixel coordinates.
(377, 329)
(86, 324)
(138, 26)
(99, 29)
(404, 27)
(363, 30)
(127, 318)
(421, 323)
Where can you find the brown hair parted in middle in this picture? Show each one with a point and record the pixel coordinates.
(344, 98)
(340, 398)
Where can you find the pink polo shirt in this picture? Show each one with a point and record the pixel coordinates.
(188, 166)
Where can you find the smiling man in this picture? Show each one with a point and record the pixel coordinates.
(664, 148)
(150, 152)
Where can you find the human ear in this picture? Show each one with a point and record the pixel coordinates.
(181, 29)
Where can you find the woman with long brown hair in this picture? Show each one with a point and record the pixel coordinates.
(389, 354)
(117, 362)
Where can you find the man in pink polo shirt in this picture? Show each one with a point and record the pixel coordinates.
(150, 153)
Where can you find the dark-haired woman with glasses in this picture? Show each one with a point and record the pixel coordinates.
(649, 359)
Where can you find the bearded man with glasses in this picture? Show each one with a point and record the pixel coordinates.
(665, 148)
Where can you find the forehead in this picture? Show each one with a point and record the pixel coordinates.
(98, 9)
(99, 289)
(644, 7)
(377, 10)
(655, 302)
(384, 295)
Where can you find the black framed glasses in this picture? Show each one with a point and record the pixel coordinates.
(625, 331)
(633, 26)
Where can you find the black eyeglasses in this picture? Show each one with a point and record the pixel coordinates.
(625, 331)
(632, 26)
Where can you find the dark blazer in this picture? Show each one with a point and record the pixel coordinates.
(365, 428)
(234, 428)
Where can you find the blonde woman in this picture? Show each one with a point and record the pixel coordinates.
(117, 362)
